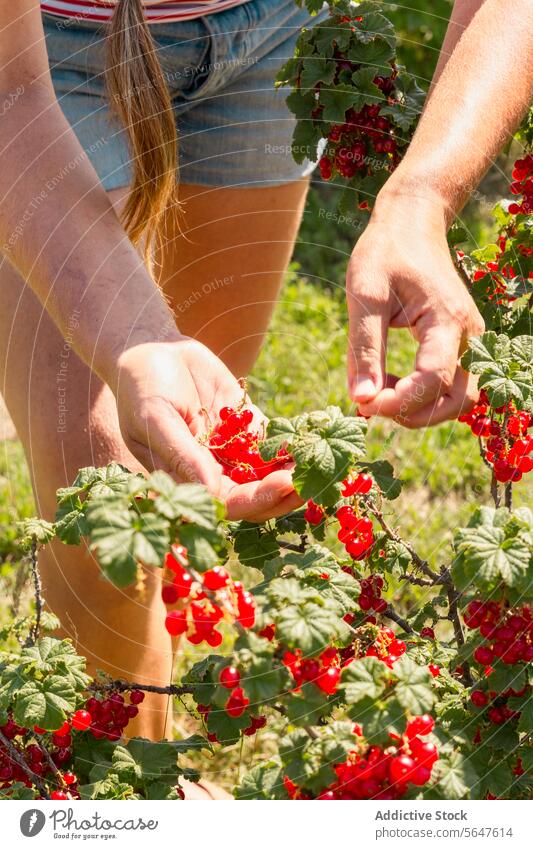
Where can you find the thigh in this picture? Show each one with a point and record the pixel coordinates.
(223, 263)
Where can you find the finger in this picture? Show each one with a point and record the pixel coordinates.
(461, 399)
(436, 363)
(260, 500)
(167, 443)
(367, 344)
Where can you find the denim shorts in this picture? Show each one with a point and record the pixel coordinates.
(234, 126)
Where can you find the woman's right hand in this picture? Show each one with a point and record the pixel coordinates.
(168, 394)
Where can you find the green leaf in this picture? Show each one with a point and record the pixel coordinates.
(143, 760)
(38, 529)
(52, 656)
(383, 474)
(487, 556)
(71, 526)
(187, 502)
(308, 627)
(364, 678)
(323, 444)
(378, 719)
(337, 100)
(254, 544)
(413, 690)
(317, 69)
(280, 433)
(525, 723)
(503, 368)
(45, 703)
(263, 782)
(308, 706)
(378, 52)
(123, 538)
(264, 682)
(455, 775)
(203, 546)
(227, 729)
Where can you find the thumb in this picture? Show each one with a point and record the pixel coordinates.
(367, 346)
(164, 441)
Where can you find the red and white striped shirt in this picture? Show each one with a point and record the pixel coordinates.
(156, 11)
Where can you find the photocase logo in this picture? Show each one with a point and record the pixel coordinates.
(32, 822)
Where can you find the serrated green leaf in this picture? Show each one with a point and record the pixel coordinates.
(413, 690)
(308, 627)
(122, 539)
(364, 678)
(187, 502)
(45, 703)
(263, 782)
(254, 544)
(455, 775)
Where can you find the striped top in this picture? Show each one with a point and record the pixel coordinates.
(156, 10)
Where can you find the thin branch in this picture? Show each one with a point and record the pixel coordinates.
(38, 589)
(390, 613)
(509, 496)
(291, 546)
(15, 756)
(494, 488)
(61, 781)
(423, 565)
(453, 597)
(125, 686)
(419, 582)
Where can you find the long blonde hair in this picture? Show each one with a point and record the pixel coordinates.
(139, 96)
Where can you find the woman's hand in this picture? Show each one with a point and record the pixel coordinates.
(401, 275)
(168, 394)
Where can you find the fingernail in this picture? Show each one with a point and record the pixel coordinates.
(363, 389)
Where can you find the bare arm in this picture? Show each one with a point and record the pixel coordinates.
(484, 89)
(57, 225)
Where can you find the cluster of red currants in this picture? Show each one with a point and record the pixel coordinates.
(381, 643)
(46, 753)
(236, 447)
(210, 598)
(377, 772)
(370, 598)
(506, 442)
(364, 137)
(323, 671)
(356, 532)
(108, 717)
(508, 634)
(499, 272)
(237, 703)
(523, 185)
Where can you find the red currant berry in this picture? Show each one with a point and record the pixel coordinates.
(215, 578)
(58, 795)
(230, 677)
(81, 720)
(479, 698)
(176, 623)
(136, 697)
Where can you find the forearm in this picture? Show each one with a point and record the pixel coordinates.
(58, 228)
(479, 100)
(460, 18)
